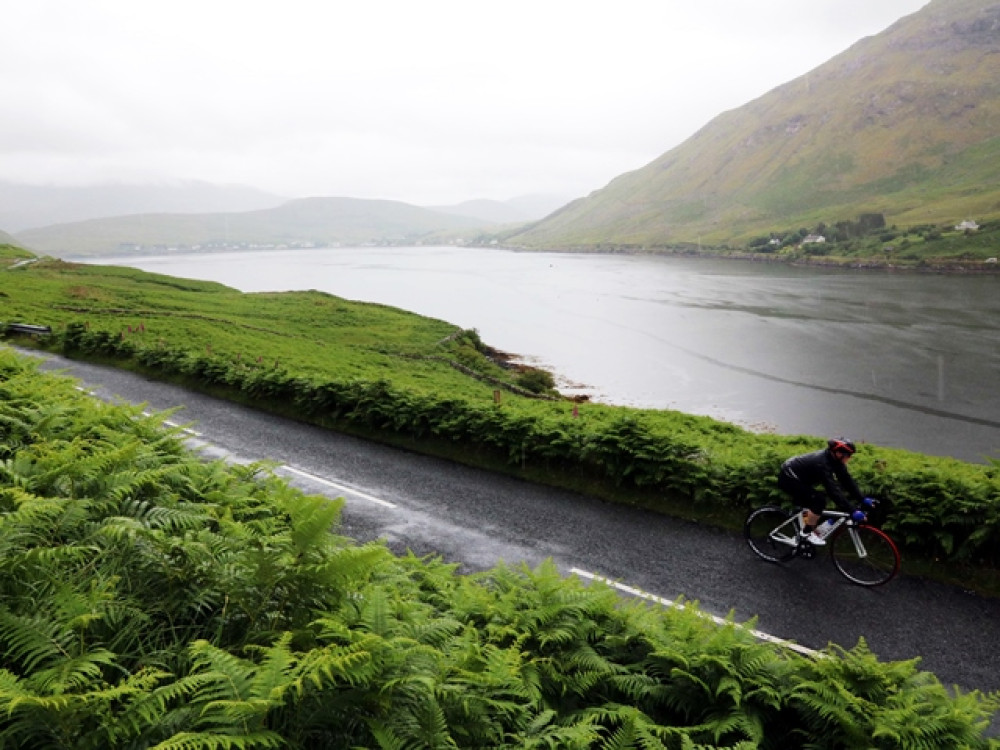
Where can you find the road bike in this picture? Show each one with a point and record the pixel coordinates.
(864, 554)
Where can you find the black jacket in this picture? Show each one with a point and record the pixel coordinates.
(821, 467)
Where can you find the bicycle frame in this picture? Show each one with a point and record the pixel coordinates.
(842, 519)
(792, 537)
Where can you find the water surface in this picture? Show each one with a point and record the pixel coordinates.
(900, 359)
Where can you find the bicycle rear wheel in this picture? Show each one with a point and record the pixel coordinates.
(865, 555)
(770, 531)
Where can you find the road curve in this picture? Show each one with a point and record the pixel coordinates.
(476, 518)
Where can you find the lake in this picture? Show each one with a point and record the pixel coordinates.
(900, 359)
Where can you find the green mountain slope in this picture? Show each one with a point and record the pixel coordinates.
(309, 221)
(905, 123)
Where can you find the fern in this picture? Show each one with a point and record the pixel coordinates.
(312, 519)
(152, 599)
(30, 643)
(214, 741)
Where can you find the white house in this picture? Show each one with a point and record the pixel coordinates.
(967, 224)
(810, 239)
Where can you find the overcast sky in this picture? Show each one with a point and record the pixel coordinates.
(424, 101)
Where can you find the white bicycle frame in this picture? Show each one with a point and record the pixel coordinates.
(782, 536)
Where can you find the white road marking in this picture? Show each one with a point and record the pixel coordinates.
(170, 423)
(718, 620)
(340, 487)
(188, 430)
(145, 413)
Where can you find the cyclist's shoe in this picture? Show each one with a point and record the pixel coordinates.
(813, 538)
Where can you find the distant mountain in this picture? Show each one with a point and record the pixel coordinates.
(29, 206)
(304, 222)
(905, 123)
(514, 211)
(495, 212)
(538, 206)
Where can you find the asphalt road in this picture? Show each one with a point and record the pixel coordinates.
(476, 518)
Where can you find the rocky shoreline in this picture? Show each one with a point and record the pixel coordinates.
(871, 264)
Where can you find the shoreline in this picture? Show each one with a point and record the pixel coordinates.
(957, 267)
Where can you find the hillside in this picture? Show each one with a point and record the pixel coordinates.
(305, 222)
(904, 123)
(518, 210)
(30, 206)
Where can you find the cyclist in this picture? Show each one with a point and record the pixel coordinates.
(800, 476)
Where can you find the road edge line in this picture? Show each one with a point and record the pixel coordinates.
(340, 487)
(633, 591)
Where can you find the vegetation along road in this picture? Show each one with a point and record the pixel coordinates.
(475, 518)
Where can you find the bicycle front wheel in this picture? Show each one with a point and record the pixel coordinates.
(770, 532)
(865, 555)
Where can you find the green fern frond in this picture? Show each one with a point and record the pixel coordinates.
(627, 727)
(376, 613)
(637, 687)
(64, 557)
(437, 632)
(34, 513)
(232, 676)
(386, 737)
(50, 417)
(431, 725)
(212, 741)
(179, 518)
(349, 567)
(331, 666)
(586, 657)
(31, 642)
(581, 732)
(277, 664)
(313, 518)
(118, 530)
(74, 674)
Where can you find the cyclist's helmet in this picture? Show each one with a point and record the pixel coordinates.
(841, 447)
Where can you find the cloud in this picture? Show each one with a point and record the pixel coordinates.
(429, 102)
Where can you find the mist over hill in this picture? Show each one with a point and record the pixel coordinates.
(307, 222)
(186, 215)
(31, 206)
(905, 123)
(518, 210)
